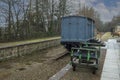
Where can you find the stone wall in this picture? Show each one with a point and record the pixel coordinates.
(22, 49)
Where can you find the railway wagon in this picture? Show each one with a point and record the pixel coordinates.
(76, 29)
(77, 35)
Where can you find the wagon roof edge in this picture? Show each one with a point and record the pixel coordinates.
(79, 16)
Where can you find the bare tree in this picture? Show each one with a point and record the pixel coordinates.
(32, 18)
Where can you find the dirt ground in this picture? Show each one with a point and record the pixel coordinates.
(84, 73)
(33, 67)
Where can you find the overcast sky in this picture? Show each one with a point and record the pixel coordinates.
(106, 8)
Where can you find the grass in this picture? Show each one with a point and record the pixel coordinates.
(26, 41)
(106, 36)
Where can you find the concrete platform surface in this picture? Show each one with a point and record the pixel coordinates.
(111, 68)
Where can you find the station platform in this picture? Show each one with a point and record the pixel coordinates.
(111, 68)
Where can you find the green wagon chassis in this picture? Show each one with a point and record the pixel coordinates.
(87, 56)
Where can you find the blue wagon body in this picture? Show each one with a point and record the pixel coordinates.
(77, 29)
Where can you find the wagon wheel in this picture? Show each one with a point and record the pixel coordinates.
(73, 67)
(94, 71)
(97, 63)
(73, 64)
